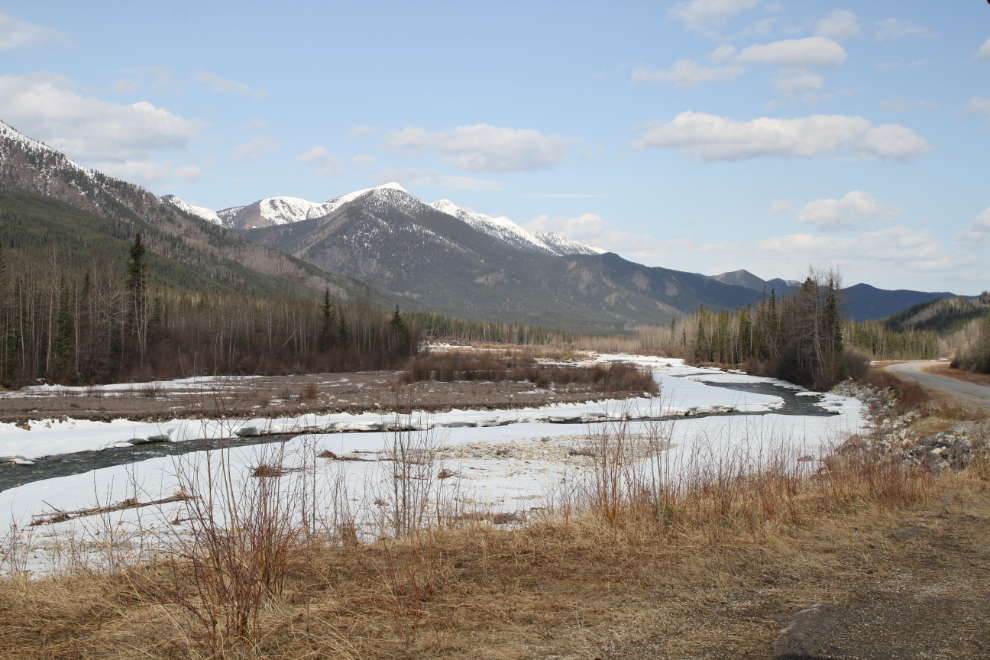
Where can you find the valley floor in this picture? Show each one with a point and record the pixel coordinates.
(747, 533)
(274, 396)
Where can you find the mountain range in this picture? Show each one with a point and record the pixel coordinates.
(387, 244)
(286, 210)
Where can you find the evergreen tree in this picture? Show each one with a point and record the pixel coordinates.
(402, 332)
(65, 333)
(745, 335)
(137, 276)
(327, 334)
(343, 336)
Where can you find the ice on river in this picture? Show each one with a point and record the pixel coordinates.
(683, 392)
(523, 475)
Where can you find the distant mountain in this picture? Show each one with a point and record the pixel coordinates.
(287, 210)
(508, 232)
(426, 256)
(741, 278)
(396, 242)
(191, 209)
(867, 302)
(863, 302)
(31, 174)
(940, 315)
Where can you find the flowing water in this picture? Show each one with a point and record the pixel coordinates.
(63, 465)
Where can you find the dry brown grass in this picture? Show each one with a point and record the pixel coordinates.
(959, 374)
(642, 557)
(450, 366)
(534, 592)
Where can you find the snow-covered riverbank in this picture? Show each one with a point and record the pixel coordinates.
(683, 392)
(508, 461)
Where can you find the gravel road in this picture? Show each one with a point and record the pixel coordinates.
(969, 393)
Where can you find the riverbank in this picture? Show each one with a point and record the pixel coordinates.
(836, 558)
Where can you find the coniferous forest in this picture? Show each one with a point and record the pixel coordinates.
(107, 325)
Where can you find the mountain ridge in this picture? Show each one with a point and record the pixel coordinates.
(30, 167)
(287, 210)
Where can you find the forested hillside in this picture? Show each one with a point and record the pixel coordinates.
(942, 315)
(27, 166)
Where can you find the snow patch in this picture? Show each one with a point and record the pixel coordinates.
(508, 232)
(192, 209)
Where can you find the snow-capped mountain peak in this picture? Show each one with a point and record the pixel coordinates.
(512, 234)
(390, 196)
(501, 228)
(192, 209)
(286, 210)
(563, 245)
(13, 135)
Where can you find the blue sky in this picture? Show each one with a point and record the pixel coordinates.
(701, 135)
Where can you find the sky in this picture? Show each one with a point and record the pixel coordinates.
(698, 135)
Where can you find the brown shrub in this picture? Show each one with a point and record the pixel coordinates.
(309, 392)
(447, 367)
(911, 395)
(857, 363)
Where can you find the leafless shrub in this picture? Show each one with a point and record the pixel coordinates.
(446, 367)
(857, 363)
(412, 511)
(309, 392)
(15, 548)
(153, 390)
(229, 563)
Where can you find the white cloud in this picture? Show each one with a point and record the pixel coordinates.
(978, 231)
(887, 66)
(15, 34)
(250, 151)
(601, 233)
(889, 256)
(710, 138)
(984, 52)
(161, 77)
(852, 211)
(126, 85)
(723, 53)
(892, 28)
(807, 53)
(758, 30)
(980, 106)
(217, 84)
(709, 12)
(782, 207)
(45, 107)
(892, 255)
(798, 82)
(810, 97)
(364, 160)
(484, 148)
(840, 24)
(687, 73)
(324, 163)
(569, 195)
(361, 131)
(148, 172)
(434, 179)
(895, 257)
(900, 105)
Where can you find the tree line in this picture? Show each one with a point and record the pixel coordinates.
(107, 326)
(976, 356)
